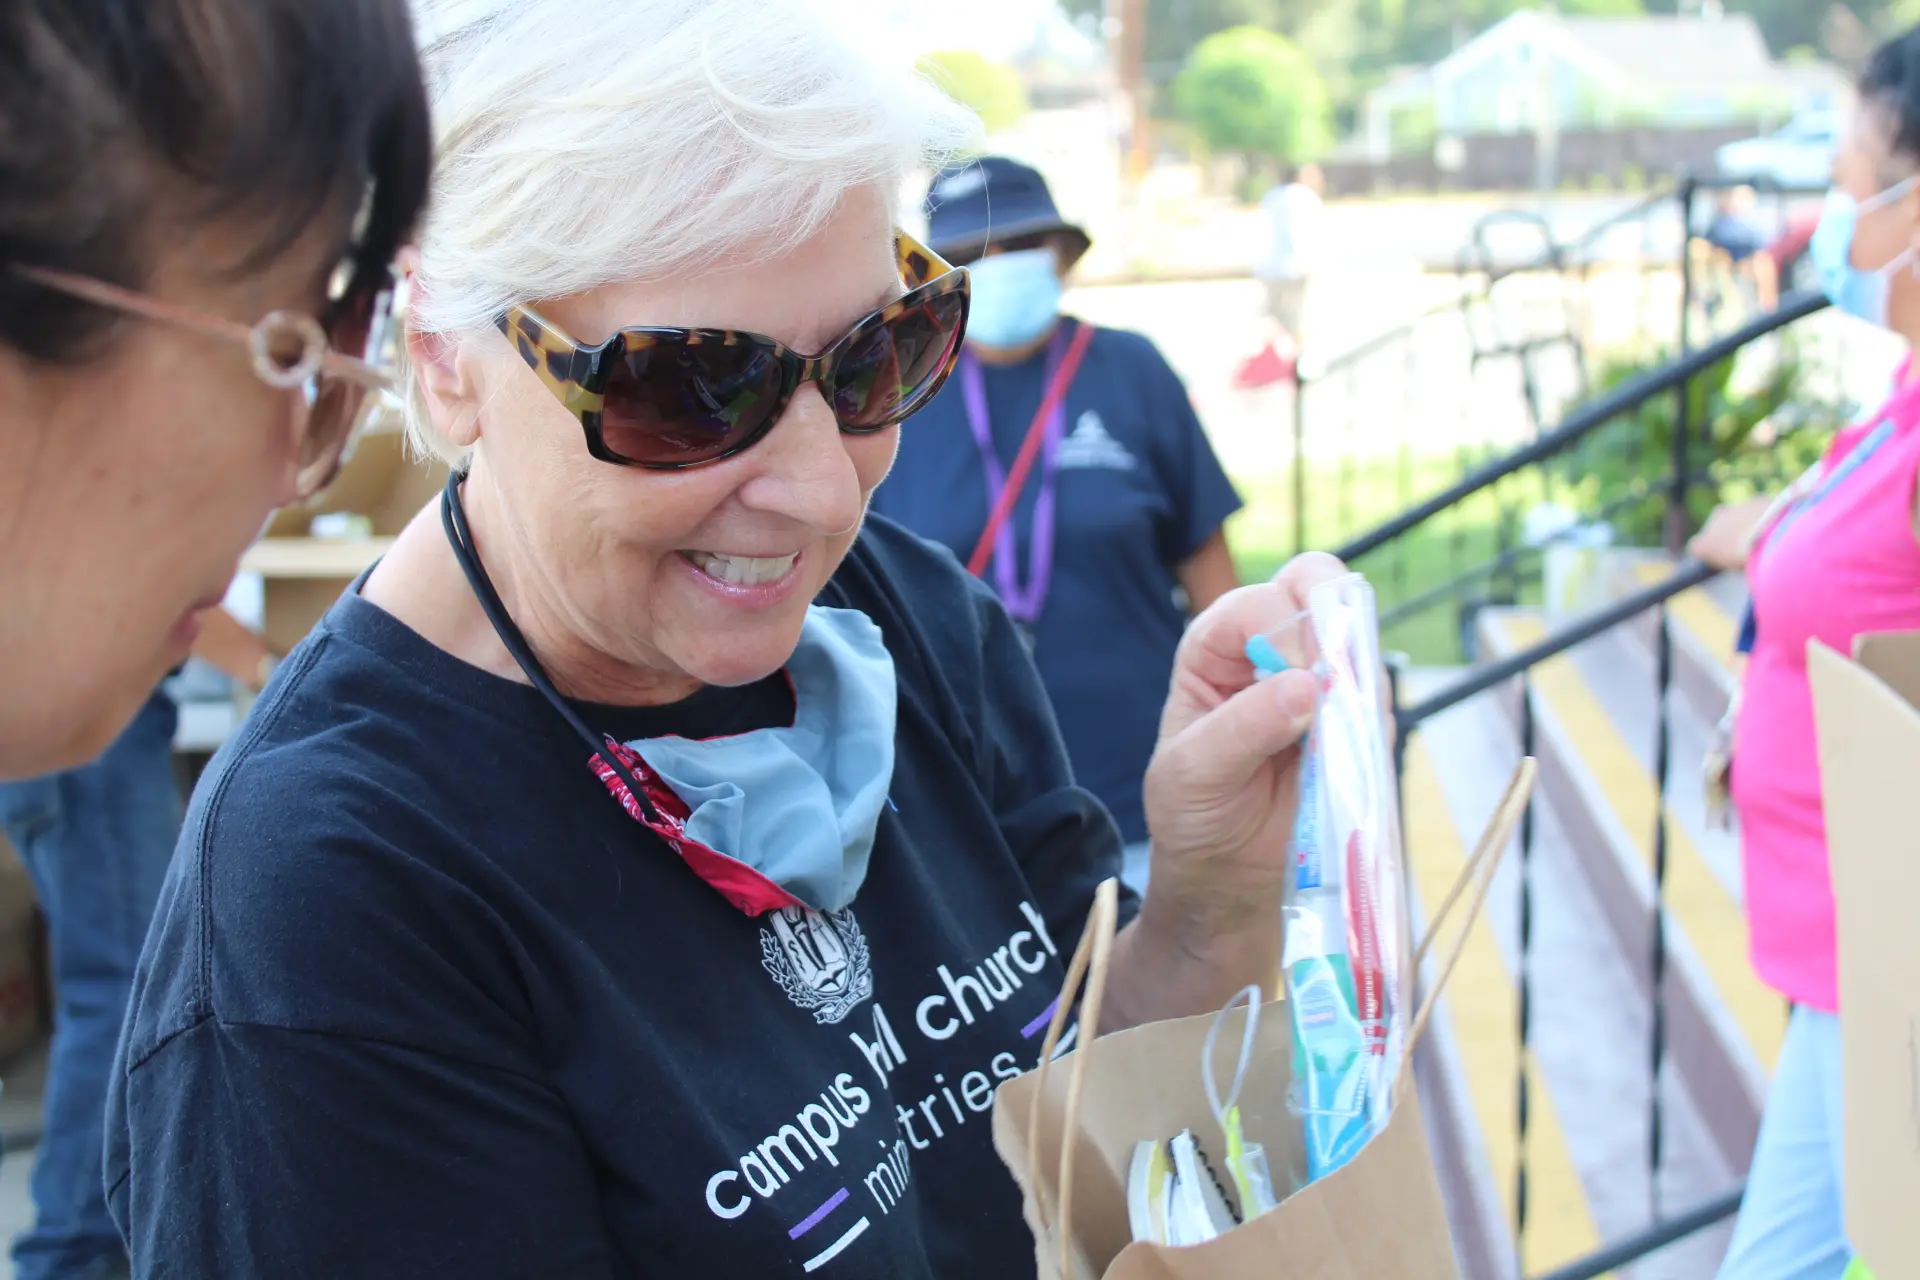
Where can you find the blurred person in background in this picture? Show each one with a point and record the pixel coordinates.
(96, 841)
(1115, 538)
(655, 863)
(1835, 557)
(1296, 244)
(1739, 247)
(199, 204)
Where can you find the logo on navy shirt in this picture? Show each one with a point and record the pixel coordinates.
(1091, 445)
(819, 959)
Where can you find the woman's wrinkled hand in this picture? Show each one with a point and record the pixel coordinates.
(1222, 790)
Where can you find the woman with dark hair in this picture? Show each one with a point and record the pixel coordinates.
(199, 202)
(1835, 557)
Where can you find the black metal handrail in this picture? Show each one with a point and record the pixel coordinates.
(1638, 492)
(1653, 1239)
(1623, 399)
(1689, 575)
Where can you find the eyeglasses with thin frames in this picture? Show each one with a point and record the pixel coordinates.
(289, 351)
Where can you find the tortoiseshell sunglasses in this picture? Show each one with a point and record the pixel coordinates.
(670, 398)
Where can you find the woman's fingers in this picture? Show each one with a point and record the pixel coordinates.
(1215, 756)
(1212, 666)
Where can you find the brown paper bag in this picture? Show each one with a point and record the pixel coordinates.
(1380, 1217)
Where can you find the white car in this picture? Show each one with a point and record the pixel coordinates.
(1800, 155)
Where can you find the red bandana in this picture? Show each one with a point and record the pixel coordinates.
(737, 882)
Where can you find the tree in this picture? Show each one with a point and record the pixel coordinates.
(990, 89)
(1352, 42)
(1176, 27)
(1788, 23)
(1254, 93)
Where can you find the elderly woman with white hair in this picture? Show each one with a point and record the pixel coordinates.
(653, 866)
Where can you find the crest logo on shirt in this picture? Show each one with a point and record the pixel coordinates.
(819, 959)
(1091, 445)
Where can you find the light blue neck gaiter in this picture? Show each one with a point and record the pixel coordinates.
(800, 804)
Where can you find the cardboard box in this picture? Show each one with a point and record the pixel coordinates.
(301, 575)
(1869, 730)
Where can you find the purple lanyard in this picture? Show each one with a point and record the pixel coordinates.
(1024, 604)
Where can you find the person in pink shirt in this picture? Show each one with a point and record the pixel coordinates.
(1837, 556)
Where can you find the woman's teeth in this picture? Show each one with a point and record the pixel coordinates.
(743, 571)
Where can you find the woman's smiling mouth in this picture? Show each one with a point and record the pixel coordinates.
(741, 571)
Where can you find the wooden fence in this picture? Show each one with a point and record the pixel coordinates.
(1588, 158)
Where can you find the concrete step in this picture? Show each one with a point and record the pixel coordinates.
(1586, 1149)
(1475, 1041)
(1594, 713)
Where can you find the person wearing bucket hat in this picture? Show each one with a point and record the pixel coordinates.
(1108, 538)
(997, 217)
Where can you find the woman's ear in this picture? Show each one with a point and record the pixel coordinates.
(444, 373)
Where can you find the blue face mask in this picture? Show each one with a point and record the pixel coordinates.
(1016, 297)
(1860, 292)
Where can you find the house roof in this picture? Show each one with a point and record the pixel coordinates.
(1694, 53)
(1699, 55)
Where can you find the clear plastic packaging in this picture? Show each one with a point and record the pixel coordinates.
(1175, 1194)
(1346, 953)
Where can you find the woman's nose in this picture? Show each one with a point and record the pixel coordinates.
(806, 472)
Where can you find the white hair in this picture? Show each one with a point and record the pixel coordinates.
(580, 144)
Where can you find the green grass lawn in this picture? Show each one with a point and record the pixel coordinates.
(1344, 501)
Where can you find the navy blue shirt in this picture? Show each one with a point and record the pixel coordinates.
(421, 1000)
(1738, 237)
(1139, 492)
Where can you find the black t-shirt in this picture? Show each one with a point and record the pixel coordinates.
(422, 1000)
(1138, 491)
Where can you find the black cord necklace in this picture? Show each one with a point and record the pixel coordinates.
(453, 518)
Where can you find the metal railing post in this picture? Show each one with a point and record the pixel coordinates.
(1396, 672)
(1524, 983)
(1299, 459)
(1343, 502)
(1679, 527)
(1678, 520)
(1657, 964)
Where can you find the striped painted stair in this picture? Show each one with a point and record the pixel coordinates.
(1587, 1150)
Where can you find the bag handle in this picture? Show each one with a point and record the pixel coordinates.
(1477, 874)
(1090, 961)
(1095, 952)
(1030, 449)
